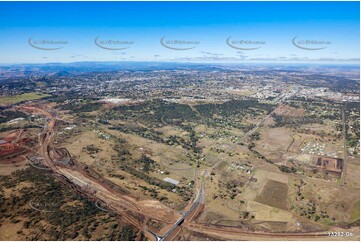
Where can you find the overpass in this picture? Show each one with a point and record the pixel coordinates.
(199, 200)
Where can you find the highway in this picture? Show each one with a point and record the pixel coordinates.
(91, 187)
(153, 213)
(234, 233)
(197, 202)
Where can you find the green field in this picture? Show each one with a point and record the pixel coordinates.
(5, 100)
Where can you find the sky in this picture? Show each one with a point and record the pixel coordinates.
(237, 32)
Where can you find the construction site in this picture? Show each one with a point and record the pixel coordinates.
(154, 219)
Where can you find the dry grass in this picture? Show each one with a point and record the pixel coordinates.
(274, 194)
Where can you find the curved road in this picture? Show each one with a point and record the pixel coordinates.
(219, 231)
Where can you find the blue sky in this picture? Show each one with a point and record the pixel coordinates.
(272, 30)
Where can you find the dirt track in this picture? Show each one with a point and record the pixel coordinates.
(131, 209)
(136, 211)
(234, 233)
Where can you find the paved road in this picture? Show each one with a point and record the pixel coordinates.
(199, 200)
(88, 188)
(343, 174)
(278, 101)
(234, 233)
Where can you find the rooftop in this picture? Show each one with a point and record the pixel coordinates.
(3, 141)
(170, 180)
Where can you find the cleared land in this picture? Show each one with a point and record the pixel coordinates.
(5, 100)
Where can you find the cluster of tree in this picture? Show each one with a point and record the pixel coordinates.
(91, 149)
(335, 83)
(127, 234)
(121, 177)
(294, 122)
(141, 131)
(352, 106)
(153, 192)
(353, 141)
(151, 180)
(174, 140)
(168, 112)
(6, 116)
(310, 211)
(246, 215)
(230, 108)
(121, 147)
(320, 133)
(80, 106)
(193, 138)
(287, 169)
(154, 111)
(147, 164)
(353, 133)
(232, 188)
(64, 221)
(257, 154)
(27, 126)
(159, 112)
(150, 133)
(255, 136)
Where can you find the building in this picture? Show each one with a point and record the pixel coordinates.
(170, 180)
(329, 164)
(6, 145)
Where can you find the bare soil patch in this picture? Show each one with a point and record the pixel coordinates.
(285, 110)
(274, 194)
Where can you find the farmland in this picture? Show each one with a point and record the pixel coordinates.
(235, 162)
(5, 100)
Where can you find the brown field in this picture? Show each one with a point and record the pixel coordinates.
(264, 212)
(171, 158)
(268, 197)
(103, 161)
(8, 231)
(274, 143)
(76, 143)
(353, 175)
(274, 194)
(285, 110)
(337, 201)
(7, 169)
(133, 184)
(14, 151)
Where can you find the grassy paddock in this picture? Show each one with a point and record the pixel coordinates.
(5, 100)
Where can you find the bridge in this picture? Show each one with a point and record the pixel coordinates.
(199, 200)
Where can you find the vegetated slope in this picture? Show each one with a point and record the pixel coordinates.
(35, 206)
